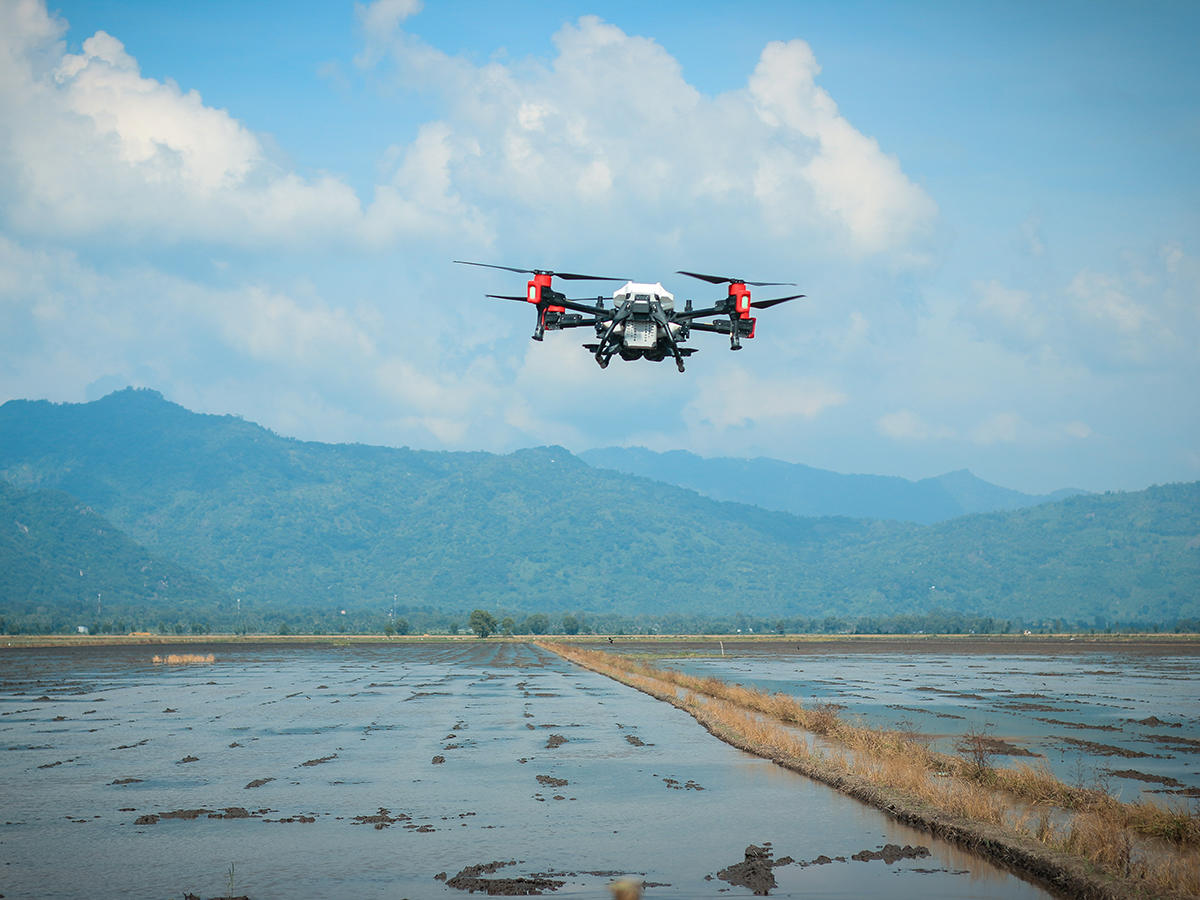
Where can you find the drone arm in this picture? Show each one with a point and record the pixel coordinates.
(582, 323)
(719, 309)
(591, 310)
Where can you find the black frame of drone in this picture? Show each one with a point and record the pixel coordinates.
(552, 311)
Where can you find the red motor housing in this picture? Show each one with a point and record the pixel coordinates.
(533, 290)
(740, 294)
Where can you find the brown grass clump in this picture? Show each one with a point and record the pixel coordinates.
(182, 659)
(1142, 844)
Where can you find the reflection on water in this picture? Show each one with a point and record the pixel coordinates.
(366, 771)
(1127, 721)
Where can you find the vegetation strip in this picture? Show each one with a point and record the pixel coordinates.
(964, 800)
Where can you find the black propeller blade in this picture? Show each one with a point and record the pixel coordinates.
(767, 304)
(721, 279)
(568, 276)
(506, 297)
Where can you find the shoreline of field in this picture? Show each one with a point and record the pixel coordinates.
(691, 644)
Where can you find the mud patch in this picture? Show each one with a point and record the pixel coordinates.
(320, 760)
(555, 740)
(754, 872)
(676, 785)
(258, 782)
(1155, 722)
(1135, 775)
(382, 819)
(551, 781)
(1081, 725)
(891, 853)
(1175, 742)
(472, 879)
(1106, 749)
(994, 745)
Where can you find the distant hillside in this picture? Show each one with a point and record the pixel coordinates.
(284, 522)
(806, 491)
(290, 525)
(63, 563)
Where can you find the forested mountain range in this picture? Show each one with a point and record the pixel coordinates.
(287, 525)
(58, 554)
(807, 491)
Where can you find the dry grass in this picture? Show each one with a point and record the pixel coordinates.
(182, 659)
(1143, 843)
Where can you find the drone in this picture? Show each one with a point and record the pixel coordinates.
(642, 322)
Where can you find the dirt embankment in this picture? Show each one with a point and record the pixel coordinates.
(1064, 874)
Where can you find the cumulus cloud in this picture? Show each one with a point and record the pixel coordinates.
(380, 21)
(611, 123)
(91, 147)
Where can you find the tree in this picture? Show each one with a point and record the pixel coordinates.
(507, 625)
(538, 623)
(482, 623)
(570, 624)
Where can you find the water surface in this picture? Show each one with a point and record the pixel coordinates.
(336, 734)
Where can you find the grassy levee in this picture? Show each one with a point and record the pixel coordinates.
(1080, 842)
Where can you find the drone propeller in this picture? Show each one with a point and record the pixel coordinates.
(766, 304)
(721, 279)
(569, 276)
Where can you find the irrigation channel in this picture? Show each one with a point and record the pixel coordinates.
(413, 770)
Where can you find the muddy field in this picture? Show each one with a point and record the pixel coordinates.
(1119, 715)
(410, 771)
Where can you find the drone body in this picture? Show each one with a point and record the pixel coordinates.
(642, 322)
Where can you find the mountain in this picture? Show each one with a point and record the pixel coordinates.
(807, 491)
(63, 564)
(288, 525)
(282, 522)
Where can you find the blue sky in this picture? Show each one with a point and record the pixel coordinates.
(993, 208)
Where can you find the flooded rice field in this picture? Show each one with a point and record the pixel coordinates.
(423, 770)
(1123, 717)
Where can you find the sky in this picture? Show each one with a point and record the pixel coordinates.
(993, 209)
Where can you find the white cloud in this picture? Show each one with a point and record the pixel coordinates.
(850, 177)
(91, 147)
(611, 123)
(1011, 309)
(1102, 299)
(906, 425)
(737, 398)
(380, 21)
(1003, 427)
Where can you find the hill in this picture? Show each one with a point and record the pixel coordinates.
(62, 565)
(807, 491)
(288, 525)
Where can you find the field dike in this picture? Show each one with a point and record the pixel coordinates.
(1078, 842)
